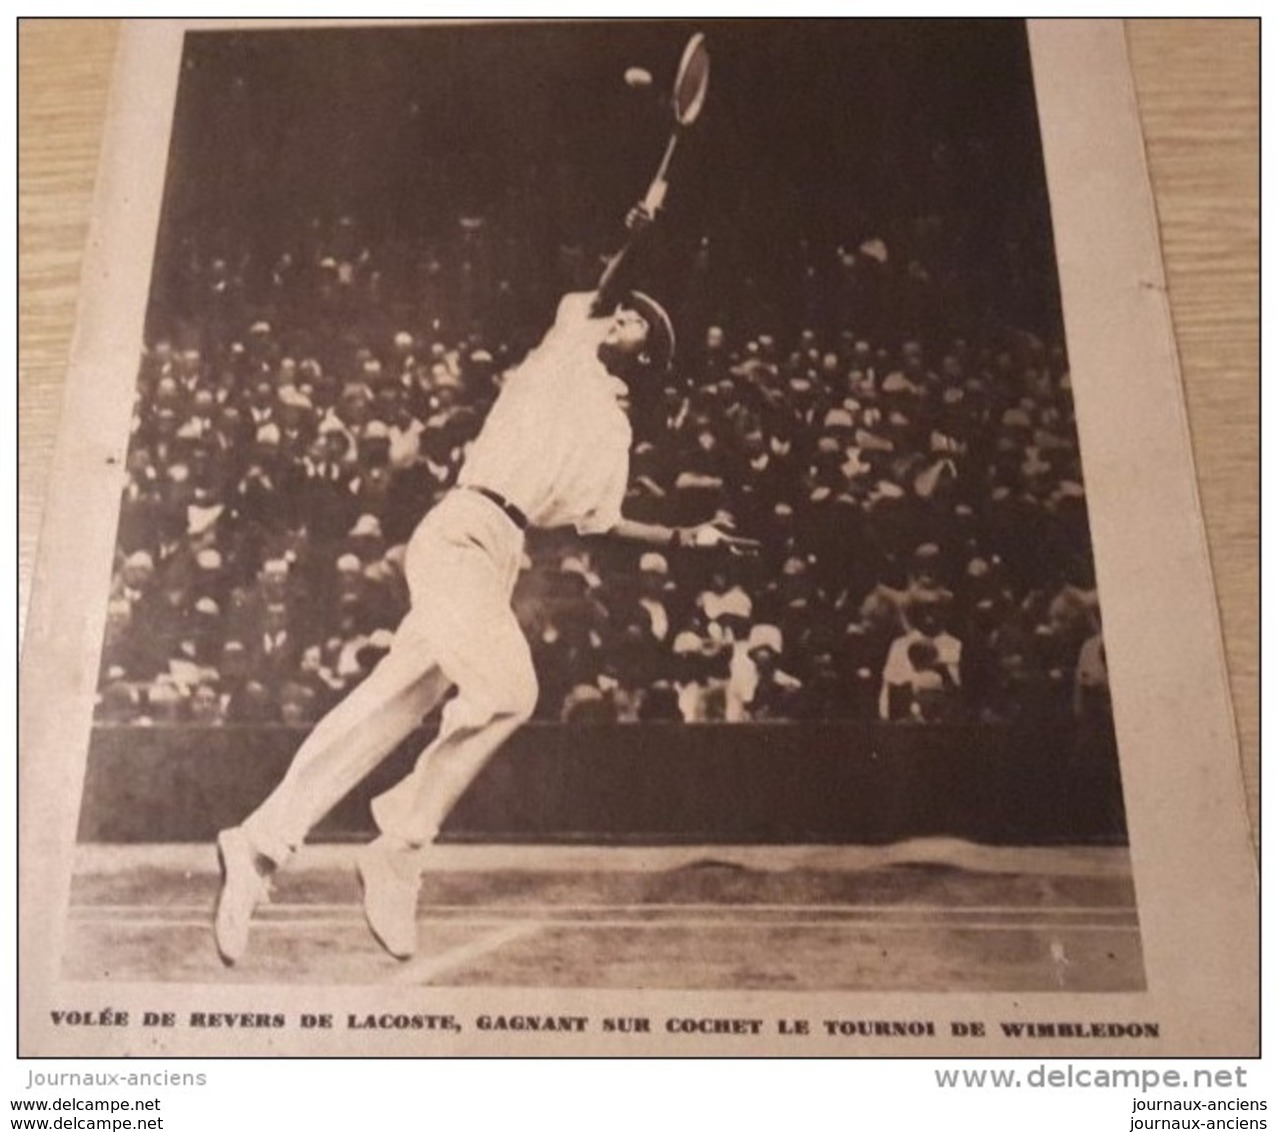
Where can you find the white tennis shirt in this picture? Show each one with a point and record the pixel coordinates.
(556, 443)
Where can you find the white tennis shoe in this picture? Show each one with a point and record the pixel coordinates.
(245, 885)
(391, 877)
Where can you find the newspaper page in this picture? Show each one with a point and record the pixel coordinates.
(626, 538)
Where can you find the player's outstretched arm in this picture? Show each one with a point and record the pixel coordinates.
(611, 289)
(704, 536)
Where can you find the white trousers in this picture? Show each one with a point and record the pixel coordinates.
(461, 566)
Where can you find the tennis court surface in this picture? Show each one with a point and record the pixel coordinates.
(926, 915)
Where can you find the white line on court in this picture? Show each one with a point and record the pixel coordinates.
(429, 967)
(95, 910)
(523, 927)
(1062, 860)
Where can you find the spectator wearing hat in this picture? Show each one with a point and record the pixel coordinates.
(1091, 682)
(201, 414)
(208, 573)
(726, 611)
(122, 650)
(262, 404)
(388, 397)
(929, 571)
(403, 435)
(232, 667)
(760, 479)
(588, 704)
(274, 588)
(135, 581)
(140, 502)
(767, 692)
(373, 477)
(364, 598)
(742, 677)
(274, 650)
(327, 503)
(117, 699)
(921, 677)
(205, 705)
(295, 418)
(201, 640)
(161, 700)
(445, 390)
(159, 603)
(299, 704)
(268, 493)
(654, 582)
(350, 416)
(441, 455)
(319, 678)
(229, 438)
(157, 362)
(700, 678)
(1074, 611)
(659, 703)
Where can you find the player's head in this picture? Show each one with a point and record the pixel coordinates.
(640, 339)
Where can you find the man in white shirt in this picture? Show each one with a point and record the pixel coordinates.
(923, 665)
(554, 451)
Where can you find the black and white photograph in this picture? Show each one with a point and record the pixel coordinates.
(603, 511)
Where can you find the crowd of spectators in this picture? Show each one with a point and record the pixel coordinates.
(918, 494)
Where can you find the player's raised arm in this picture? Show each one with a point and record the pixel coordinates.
(692, 81)
(611, 288)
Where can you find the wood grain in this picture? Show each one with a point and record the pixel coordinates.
(64, 68)
(1198, 88)
(1198, 83)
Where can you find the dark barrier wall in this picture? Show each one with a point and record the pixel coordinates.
(649, 783)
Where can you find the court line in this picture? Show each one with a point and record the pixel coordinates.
(322, 907)
(1108, 862)
(429, 967)
(520, 926)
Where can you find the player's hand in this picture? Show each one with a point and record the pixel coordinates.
(707, 536)
(638, 218)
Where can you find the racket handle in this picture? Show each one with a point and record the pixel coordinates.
(655, 197)
(606, 298)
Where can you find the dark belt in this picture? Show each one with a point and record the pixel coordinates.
(513, 513)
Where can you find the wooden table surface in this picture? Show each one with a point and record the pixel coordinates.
(1198, 88)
